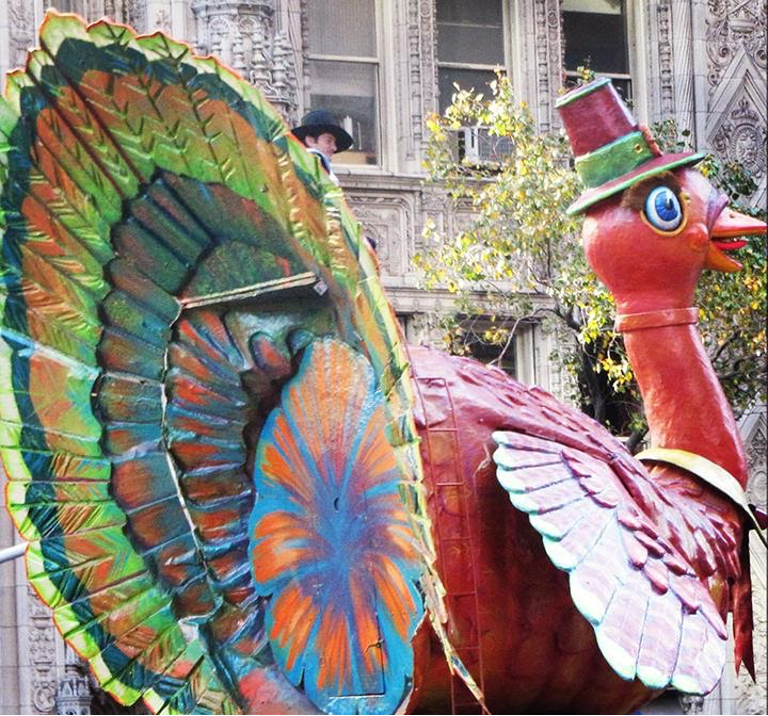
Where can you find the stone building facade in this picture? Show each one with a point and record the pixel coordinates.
(382, 66)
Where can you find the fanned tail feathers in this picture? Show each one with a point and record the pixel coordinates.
(139, 179)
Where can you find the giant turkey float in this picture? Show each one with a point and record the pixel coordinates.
(243, 493)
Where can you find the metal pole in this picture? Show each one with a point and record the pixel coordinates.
(9, 553)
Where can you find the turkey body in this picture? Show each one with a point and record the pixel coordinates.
(211, 447)
(511, 616)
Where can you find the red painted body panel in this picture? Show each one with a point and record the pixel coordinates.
(511, 615)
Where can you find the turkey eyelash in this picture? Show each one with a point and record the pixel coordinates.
(634, 197)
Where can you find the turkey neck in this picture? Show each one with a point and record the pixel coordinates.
(684, 403)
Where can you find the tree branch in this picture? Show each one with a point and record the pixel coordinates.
(723, 346)
(635, 438)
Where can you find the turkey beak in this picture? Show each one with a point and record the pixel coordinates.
(729, 225)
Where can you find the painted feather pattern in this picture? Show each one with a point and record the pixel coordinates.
(143, 185)
(327, 505)
(650, 612)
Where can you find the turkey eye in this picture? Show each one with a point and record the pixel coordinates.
(663, 210)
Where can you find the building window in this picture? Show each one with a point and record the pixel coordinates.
(489, 354)
(344, 71)
(595, 35)
(476, 345)
(470, 45)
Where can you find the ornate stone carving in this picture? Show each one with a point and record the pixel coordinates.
(754, 430)
(131, 12)
(666, 80)
(284, 68)
(424, 329)
(692, 704)
(737, 130)
(135, 14)
(549, 52)
(73, 694)
(65, 5)
(415, 302)
(539, 33)
(389, 220)
(736, 35)
(304, 25)
(542, 65)
(243, 34)
(742, 138)
(435, 207)
(162, 20)
(21, 19)
(42, 656)
(751, 696)
(419, 92)
(733, 25)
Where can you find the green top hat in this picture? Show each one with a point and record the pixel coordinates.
(612, 152)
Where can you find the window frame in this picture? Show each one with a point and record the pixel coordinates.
(628, 14)
(379, 62)
(387, 79)
(507, 41)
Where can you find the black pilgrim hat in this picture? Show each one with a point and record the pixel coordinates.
(319, 121)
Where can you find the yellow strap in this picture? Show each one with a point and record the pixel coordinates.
(714, 475)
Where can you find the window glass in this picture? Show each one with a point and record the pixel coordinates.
(476, 11)
(344, 72)
(470, 32)
(470, 44)
(348, 91)
(606, 7)
(466, 79)
(342, 28)
(489, 353)
(596, 37)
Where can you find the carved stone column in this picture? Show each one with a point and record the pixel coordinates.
(39, 644)
(131, 12)
(245, 35)
(21, 20)
(10, 656)
(539, 33)
(672, 63)
(73, 693)
(416, 67)
(159, 15)
(661, 84)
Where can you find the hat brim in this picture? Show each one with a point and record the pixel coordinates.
(645, 170)
(343, 140)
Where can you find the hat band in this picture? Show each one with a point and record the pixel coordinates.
(613, 160)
